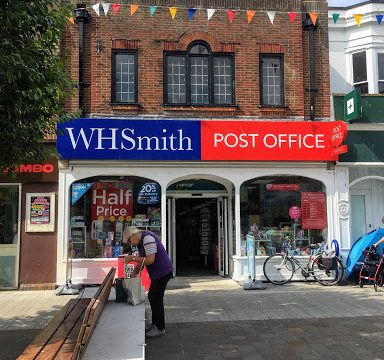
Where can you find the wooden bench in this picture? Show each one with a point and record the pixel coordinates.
(69, 332)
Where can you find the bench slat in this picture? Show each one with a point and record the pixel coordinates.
(41, 340)
(57, 340)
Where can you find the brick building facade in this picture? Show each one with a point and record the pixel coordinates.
(204, 126)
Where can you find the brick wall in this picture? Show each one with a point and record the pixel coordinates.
(151, 36)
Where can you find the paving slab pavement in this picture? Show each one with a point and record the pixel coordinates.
(214, 318)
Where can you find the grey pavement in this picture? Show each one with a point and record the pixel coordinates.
(215, 318)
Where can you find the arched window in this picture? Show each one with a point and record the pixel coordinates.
(199, 77)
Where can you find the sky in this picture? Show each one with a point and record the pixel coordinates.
(343, 2)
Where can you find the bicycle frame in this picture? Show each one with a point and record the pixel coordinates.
(296, 262)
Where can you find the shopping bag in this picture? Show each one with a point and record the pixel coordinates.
(121, 294)
(133, 288)
(328, 258)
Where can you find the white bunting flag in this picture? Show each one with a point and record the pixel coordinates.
(106, 8)
(96, 7)
(271, 15)
(210, 12)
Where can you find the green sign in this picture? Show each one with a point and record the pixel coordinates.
(352, 105)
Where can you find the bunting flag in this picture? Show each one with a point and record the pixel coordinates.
(115, 8)
(292, 16)
(152, 10)
(358, 18)
(231, 15)
(96, 8)
(314, 16)
(173, 11)
(106, 8)
(335, 17)
(210, 13)
(134, 9)
(191, 13)
(271, 15)
(71, 20)
(379, 18)
(250, 15)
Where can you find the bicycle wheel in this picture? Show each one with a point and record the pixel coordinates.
(278, 269)
(324, 276)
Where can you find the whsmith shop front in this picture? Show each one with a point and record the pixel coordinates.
(203, 185)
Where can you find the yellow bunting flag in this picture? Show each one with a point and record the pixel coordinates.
(173, 11)
(134, 8)
(250, 15)
(358, 18)
(71, 20)
(314, 16)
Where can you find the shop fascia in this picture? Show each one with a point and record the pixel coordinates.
(201, 140)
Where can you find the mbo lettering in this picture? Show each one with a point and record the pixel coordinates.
(32, 168)
(126, 139)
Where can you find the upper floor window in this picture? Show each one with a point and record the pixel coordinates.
(271, 80)
(360, 81)
(199, 77)
(380, 59)
(124, 77)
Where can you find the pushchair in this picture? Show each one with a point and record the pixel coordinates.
(372, 270)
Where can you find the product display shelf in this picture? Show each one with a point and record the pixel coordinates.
(78, 236)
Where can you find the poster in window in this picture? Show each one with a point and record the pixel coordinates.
(40, 212)
(313, 210)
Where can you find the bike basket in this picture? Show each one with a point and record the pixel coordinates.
(329, 263)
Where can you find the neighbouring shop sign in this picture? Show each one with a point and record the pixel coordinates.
(149, 194)
(111, 201)
(283, 187)
(123, 139)
(313, 210)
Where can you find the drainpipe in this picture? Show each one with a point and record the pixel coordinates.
(311, 28)
(82, 17)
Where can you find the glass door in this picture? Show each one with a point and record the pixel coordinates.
(222, 219)
(361, 220)
(9, 235)
(171, 231)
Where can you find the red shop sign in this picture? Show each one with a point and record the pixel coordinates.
(111, 200)
(283, 187)
(265, 141)
(313, 210)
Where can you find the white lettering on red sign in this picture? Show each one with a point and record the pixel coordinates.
(111, 202)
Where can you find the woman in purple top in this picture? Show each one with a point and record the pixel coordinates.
(160, 270)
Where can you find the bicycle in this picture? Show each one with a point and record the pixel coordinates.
(280, 268)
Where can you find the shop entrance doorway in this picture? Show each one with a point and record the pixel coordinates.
(197, 231)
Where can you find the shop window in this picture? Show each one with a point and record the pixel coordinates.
(381, 73)
(9, 235)
(271, 80)
(124, 77)
(360, 72)
(102, 207)
(199, 77)
(275, 209)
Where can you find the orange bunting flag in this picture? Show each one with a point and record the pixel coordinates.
(115, 8)
(358, 18)
(173, 11)
(250, 15)
(292, 16)
(134, 8)
(314, 16)
(71, 20)
(231, 15)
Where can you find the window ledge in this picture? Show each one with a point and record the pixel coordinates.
(204, 108)
(126, 106)
(274, 110)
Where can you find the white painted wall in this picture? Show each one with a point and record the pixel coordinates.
(346, 38)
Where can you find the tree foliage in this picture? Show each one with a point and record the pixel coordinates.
(33, 83)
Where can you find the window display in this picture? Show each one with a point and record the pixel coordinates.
(103, 207)
(280, 208)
